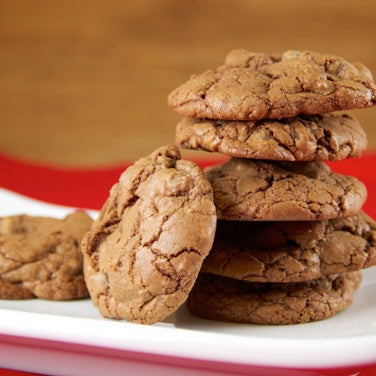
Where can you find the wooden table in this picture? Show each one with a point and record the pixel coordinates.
(84, 83)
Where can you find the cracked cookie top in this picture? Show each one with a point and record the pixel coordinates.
(227, 299)
(145, 250)
(41, 257)
(253, 86)
(303, 138)
(292, 251)
(246, 189)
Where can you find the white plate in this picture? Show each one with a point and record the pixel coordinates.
(94, 344)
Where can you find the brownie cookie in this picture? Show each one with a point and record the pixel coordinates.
(41, 257)
(292, 251)
(144, 252)
(321, 137)
(227, 299)
(245, 189)
(253, 86)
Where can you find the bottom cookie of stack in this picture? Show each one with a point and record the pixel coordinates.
(227, 299)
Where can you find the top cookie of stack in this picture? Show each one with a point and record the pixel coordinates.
(256, 106)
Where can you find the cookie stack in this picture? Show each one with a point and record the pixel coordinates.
(291, 237)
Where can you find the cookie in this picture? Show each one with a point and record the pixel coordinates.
(145, 250)
(304, 138)
(292, 251)
(254, 86)
(246, 189)
(227, 299)
(41, 257)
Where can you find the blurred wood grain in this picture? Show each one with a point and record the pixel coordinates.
(85, 82)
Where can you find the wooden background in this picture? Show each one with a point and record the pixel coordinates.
(84, 83)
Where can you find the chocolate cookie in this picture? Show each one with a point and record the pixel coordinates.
(321, 137)
(253, 86)
(145, 250)
(227, 299)
(41, 257)
(248, 190)
(292, 251)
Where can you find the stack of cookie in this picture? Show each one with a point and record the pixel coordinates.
(291, 237)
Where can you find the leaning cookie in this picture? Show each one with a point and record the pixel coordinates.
(246, 189)
(41, 257)
(254, 86)
(143, 254)
(227, 299)
(304, 138)
(292, 251)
